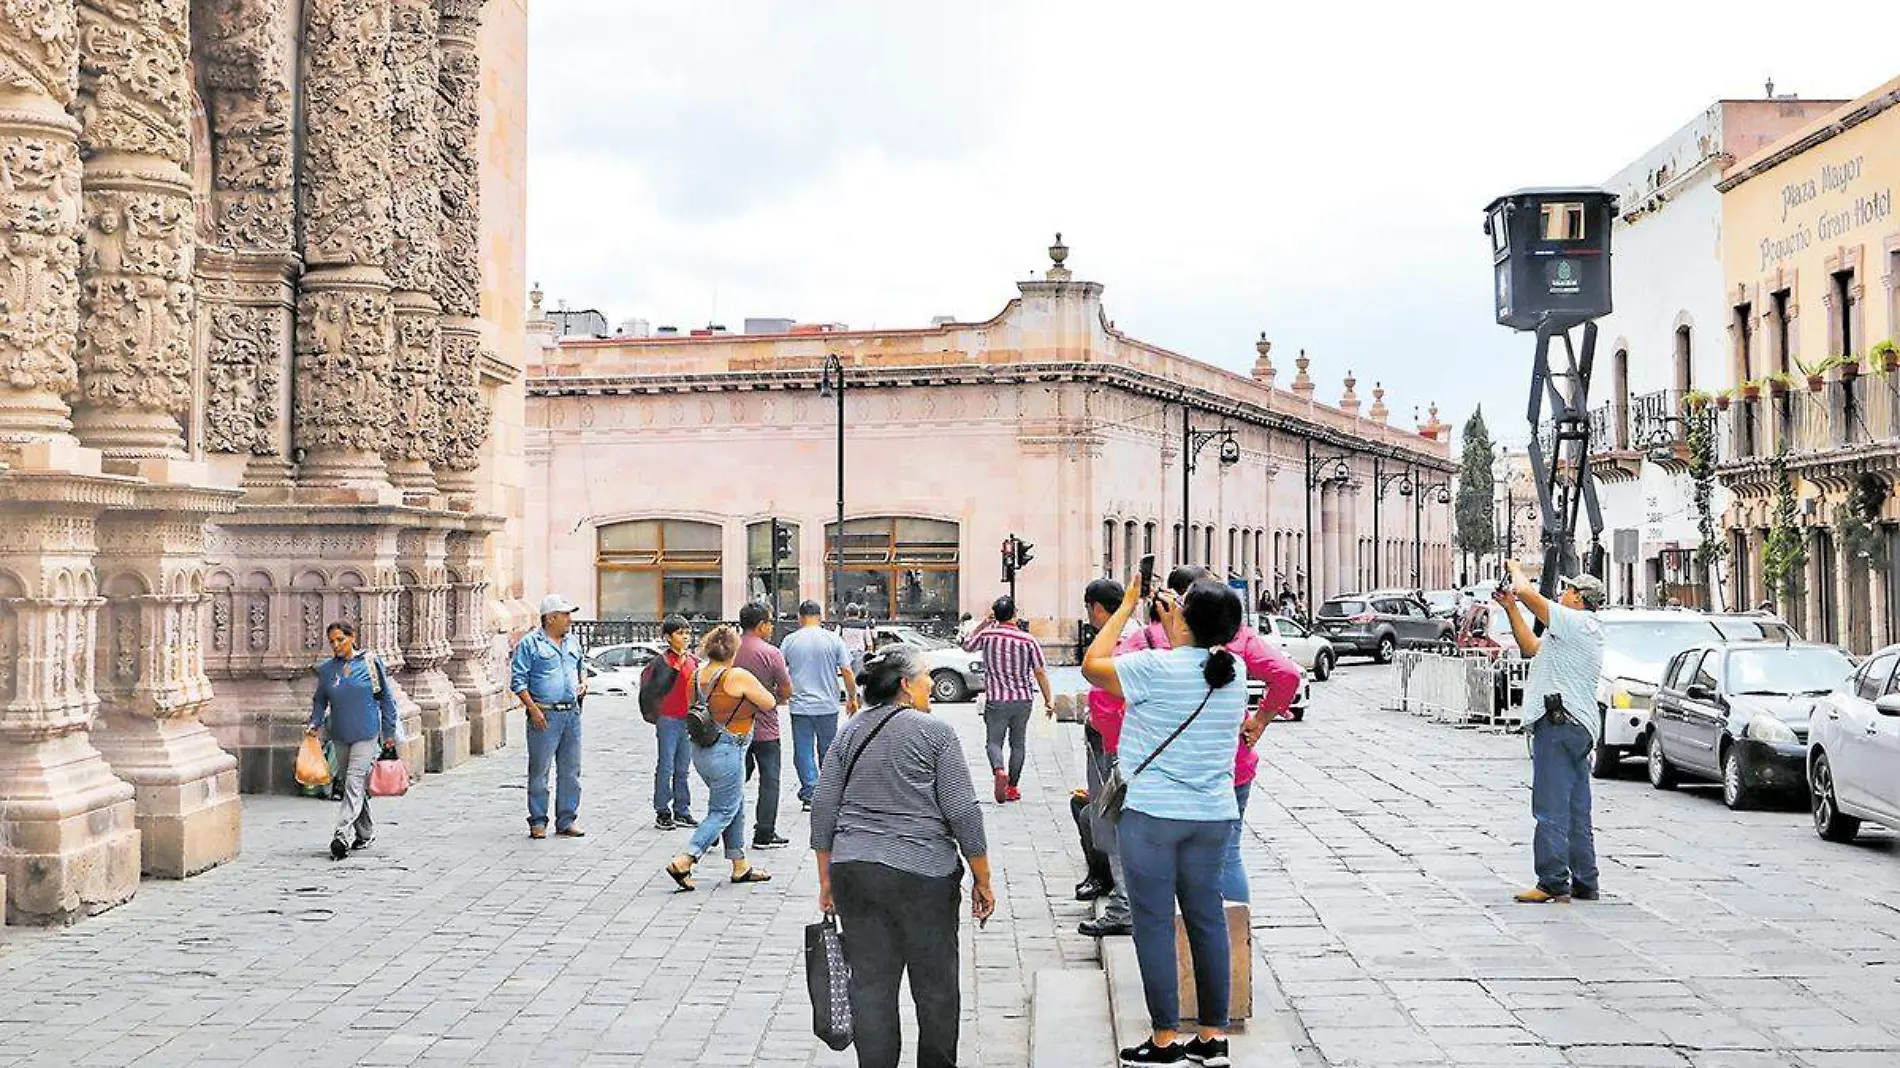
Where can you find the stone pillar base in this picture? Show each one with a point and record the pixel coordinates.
(260, 722)
(70, 828)
(445, 726)
(488, 724)
(185, 789)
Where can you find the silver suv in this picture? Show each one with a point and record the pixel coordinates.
(1380, 623)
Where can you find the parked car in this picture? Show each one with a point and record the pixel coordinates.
(1312, 652)
(1854, 751)
(1737, 713)
(1257, 690)
(1443, 603)
(619, 667)
(1380, 623)
(1638, 644)
(1485, 631)
(955, 673)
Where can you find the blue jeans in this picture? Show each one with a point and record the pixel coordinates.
(811, 737)
(1565, 846)
(1233, 874)
(672, 787)
(559, 744)
(722, 765)
(1169, 860)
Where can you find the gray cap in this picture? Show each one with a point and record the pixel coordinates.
(1590, 587)
(554, 602)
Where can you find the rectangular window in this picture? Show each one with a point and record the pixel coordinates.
(650, 568)
(759, 552)
(1562, 222)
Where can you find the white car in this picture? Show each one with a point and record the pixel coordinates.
(1307, 649)
(956, 674)
(1854, 751)
(618, 667)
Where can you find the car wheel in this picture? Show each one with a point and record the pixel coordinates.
(946, 687)
(1299, 714)
(1661, 774)
(1323, 666)
(1383, 654)
(1829, 822)
(1605, 759)
(1735, 794)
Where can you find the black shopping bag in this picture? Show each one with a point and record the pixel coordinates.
(828, 981)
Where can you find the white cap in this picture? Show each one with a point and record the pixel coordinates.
(554, 602)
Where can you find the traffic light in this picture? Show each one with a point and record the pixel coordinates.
(1023, 555)
(1009, 559)
(781, 541)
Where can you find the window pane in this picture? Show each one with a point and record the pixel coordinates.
(760, 585)
(758, 539)
(693, 538)
(629, 595)
(872, 589)
(641, 536)
(926, 594)
(926, 532)
(693, 596)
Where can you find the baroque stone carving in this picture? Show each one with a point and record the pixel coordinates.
(244, 53)
(260, 622)
(416, 432)
(465, 412)
(457, 172)
(135, 89)
(346, 191)
(242, 374)
(135, 343)
(343, 369)
(415, 145)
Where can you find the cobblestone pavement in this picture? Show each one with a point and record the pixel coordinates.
(457, 940)
(1383, 850)
(1383, 853)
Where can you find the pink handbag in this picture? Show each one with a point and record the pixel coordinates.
(388, 776)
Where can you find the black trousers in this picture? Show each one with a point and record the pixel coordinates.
(764, 757)
(897, 921)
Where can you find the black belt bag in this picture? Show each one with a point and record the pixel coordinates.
(1554, 710)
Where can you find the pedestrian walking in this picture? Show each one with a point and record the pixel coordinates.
(1560, 717)
(817, 660)
(732, 697)
(1012, 662)
(887, 833)
(545, 673)
(856, 632)
(1185, 706)
(672, 770)
(353, 697)
(767, 664)
(1103, 738)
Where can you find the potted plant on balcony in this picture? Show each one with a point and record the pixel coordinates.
(1816, 374)
(1694, 400)
(1848, 364)
(1886, 357)
(1780, 383)
(1722, 399)
(1751, 390)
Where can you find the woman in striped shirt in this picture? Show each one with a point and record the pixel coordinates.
(1185, 707)
(887, 833)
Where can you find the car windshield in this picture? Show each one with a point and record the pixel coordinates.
(1786, 670)
(918, 638)
(1744, 629)
(1342, 608)
(1441, 600)
(1651, 642)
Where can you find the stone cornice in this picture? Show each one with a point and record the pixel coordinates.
(1137, 382)
(365, 516)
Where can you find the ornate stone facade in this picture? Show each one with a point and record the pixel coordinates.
(224, 330)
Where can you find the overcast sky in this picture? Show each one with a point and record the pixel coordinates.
(1317, 171)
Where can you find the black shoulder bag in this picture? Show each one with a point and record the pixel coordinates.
(1115, 788)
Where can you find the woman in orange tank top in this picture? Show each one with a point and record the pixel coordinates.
(732, 695)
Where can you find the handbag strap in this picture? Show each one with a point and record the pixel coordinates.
(1177, 733)
(859, 751)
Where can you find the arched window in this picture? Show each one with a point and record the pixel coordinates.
(650, 568)
(1108, 547)
(1685, 359)
(1128, 549)
(1147, 538)
(1232, 563)
(897, 568)
(1620, 398)
(758, 543)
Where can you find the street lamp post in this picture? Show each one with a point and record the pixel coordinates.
(1192, 441)
(834, 369)
(1340, 472)
(1379, 484)
(1441, 494)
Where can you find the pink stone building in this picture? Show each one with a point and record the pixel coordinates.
(657, 465)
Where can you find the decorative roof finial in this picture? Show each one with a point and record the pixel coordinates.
(1301, 382)
(1349, 401)
(1378, 412)
(1263, 364)
(535, 297)
(1058, 253)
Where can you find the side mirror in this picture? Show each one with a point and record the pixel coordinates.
(1888, 705)
(1703, 693)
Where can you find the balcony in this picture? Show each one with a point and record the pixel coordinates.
(1613, 455)
(1849, 427)
(1656, 428)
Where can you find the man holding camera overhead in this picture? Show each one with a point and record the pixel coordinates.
(1560, 716)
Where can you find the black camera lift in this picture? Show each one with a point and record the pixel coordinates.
(1559, 496)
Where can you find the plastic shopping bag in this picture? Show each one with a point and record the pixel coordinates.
(828, 981)
(389, 775)
(312, 768)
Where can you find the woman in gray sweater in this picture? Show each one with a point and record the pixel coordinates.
(890, 833)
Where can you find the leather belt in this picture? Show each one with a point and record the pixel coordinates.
(557, 706)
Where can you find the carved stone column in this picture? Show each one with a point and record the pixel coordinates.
(39, 219)
(472, 665)
(72, 844)
(345, 321)
(152, 681)
(465, 413)
(246, 284)
(135, 358)
(424, 623)
(416, 199)
(380, 631)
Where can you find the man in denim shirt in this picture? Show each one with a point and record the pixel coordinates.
(1560, 715)
(545, 673)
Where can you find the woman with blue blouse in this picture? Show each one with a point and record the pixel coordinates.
(1185, 707)
(353, 695)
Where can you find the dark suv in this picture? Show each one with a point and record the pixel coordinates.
(1380, 623)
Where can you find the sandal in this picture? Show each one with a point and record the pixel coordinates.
(753, 875)
(683, 878)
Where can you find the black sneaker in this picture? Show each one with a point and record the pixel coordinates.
(1149, 1053)
(360, 843)
(774, 842)
(1103, 927)
(1583, 893)
(1209, 1052)
(684, 819)
(804, 806)
(1089, 890)
(339, 849)
(664, 821)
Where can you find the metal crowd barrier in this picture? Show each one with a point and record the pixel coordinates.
(1461, 689)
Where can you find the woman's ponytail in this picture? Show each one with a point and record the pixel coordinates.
(1219, 669)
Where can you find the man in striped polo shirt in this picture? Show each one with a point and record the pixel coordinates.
(1012, 661)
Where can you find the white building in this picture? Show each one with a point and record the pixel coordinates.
(1667, 336)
